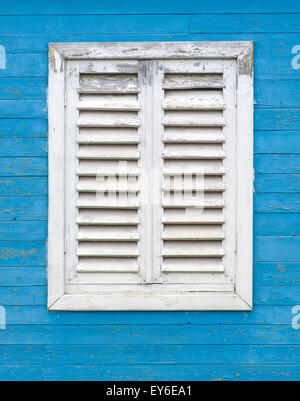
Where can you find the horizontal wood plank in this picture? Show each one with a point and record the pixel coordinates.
(151, 372)
(154, 334)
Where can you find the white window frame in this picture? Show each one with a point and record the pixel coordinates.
(241, 298)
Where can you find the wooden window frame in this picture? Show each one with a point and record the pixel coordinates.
(241, 298)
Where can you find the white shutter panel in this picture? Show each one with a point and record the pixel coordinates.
(103, 222)
(150, 176)
(198, 169)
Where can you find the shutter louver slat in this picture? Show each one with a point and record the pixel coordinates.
(108, 84)
(181, 171)
(193, 146)
(192, 154)
(193, 100)
(107, 152)
(193, 81)
(205, 204)
(108, 173)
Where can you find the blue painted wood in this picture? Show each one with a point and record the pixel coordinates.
(276, 224)
(23, 88)
(276, 273)
(61, 24)
(17, 147)
(135, 7)
(277, 182)
(35, 315)
(23, 230)
(23, 108)
(148, 354)
(23, 127)
(278, 202)
(278, 119)
(277, 142)
(23, 166)
(24, 275)
(276, 93)
(171, 24)
(27, 65)
(23, 208)
(285, 249)
(22, 253)
(23, 186)
(137, 335)
(233, 23)
(277, 163)
(272, 295)
(151, 372)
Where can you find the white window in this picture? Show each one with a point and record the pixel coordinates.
(150, 176)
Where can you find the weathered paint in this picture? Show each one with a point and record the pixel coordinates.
(149, 345)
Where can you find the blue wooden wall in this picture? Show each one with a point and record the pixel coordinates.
(149, 345)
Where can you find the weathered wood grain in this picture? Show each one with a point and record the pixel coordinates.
(277, 163)
(151, 372)
(23, 208)
(17, 147)
(137, 335)
(23, 230)
(274, 202)
(277, 142)
(23, 186)
(284, 224)
(281, 249)
(23, 166)
(23, 128)
(149, 354)
(277, 182)
(27, 253)
(246, 23)
(23, 88)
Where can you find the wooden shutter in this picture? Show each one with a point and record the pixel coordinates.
(103, 175)
(150, 153)
(198, 172)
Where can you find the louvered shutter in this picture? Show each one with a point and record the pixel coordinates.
(150, 175)
(198, 164)
(103, 139)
